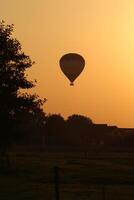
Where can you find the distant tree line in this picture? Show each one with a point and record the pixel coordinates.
(78, 132)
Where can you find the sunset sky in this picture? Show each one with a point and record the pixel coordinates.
(100, 30)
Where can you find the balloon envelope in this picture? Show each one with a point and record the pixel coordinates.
(72, 65)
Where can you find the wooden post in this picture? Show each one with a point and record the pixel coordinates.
(103, 192)
(56, 182)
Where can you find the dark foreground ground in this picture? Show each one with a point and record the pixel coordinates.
(107, 176)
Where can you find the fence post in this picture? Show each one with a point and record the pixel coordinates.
(56, 182)
(103, 192)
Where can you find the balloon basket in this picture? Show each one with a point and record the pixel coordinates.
(71, 84)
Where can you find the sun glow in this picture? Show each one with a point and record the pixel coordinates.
(102, 32)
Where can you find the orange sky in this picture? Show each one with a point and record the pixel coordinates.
(102, 31)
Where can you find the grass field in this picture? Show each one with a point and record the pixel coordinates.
(98, 176)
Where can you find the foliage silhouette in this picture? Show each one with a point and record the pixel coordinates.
(78, 127)
(79, 132)
(55, 126)
(13, 103)
(62, 132)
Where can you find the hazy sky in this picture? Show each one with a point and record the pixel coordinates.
(102, 31)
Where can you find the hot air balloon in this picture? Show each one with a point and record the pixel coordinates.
(72, 64)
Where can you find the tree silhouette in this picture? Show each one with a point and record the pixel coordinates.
(13, 103)
(78, 129)
(55, 126)
(75, 118)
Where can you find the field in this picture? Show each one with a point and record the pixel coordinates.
(96, 177)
